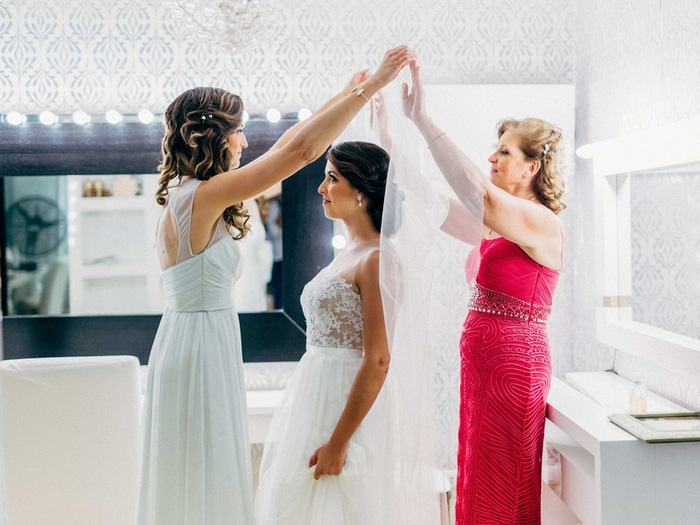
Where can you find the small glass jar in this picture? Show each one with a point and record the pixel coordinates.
(638, 396)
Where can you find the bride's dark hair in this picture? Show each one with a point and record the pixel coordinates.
(365, 166)
(197, 126)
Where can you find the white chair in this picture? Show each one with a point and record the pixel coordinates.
(70, 440)
(54, 293)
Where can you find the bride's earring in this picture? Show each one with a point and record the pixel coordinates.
(359, 200)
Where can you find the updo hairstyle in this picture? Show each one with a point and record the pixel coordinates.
(540, 140)
(365, 166)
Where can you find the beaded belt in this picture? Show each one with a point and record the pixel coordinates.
(498, 303)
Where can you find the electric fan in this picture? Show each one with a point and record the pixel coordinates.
(35, 226)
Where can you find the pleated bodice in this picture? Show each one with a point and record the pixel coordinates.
(506, 268)
(203, 282)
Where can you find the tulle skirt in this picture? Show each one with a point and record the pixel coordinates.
(196, 464)
(316, 396)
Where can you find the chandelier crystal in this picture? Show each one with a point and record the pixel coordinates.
(228, 26)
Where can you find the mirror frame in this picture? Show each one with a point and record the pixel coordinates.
(615, 161)
(33, 149)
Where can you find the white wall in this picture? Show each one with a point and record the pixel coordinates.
(636, 68)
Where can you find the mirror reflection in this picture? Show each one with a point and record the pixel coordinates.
(665, 248)
(84, 245)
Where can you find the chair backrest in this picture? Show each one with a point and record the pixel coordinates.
(70, 439)
(55, 289)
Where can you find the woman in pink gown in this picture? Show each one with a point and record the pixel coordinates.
(505, 369)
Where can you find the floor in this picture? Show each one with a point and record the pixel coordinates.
(554, 510)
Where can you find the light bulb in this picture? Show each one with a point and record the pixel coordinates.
(273, 115)
(81, 118)
(48, 118)
(146, 117)
(304, 113)
(113, 116)
(15, 118)
(339, 242)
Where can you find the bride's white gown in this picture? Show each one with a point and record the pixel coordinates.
(196, 462)
(316, 396)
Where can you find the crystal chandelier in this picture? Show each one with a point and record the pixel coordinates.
(228, 26)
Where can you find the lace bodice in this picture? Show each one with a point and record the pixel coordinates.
(332, 307)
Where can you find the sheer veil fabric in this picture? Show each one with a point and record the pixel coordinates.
(392, 472)
(417, 281)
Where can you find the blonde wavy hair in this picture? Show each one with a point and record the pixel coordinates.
(197, 126)
(540, 140)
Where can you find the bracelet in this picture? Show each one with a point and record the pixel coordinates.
(360, 92)
(442, 136)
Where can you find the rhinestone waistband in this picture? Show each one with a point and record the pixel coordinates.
(498, 303)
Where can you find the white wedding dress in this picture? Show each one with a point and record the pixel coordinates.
(196, 460)
(382, 482)
(315, 398)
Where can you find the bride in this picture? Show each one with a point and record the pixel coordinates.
(337, 451)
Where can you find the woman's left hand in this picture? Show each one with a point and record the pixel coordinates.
(329, 460)
(413, 98)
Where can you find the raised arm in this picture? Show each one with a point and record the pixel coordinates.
(458, 223)
(330, 458)
(357, 78)
(306, 144)
(522, 221)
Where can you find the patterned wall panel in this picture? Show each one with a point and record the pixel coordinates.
(130, 54)
(665, 250)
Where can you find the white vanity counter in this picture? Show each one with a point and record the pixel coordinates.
(608, 476)
(265, 384)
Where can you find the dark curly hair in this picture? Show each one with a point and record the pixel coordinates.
(197, 126)
(365, 166)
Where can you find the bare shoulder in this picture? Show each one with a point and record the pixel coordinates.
(367, 270)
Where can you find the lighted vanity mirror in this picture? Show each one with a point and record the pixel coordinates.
(665, 248)
(90, 285)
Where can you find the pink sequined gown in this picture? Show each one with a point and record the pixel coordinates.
(505, 375)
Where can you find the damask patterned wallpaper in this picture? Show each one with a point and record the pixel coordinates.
(131, 54)
(665, 250)
(636, 68)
